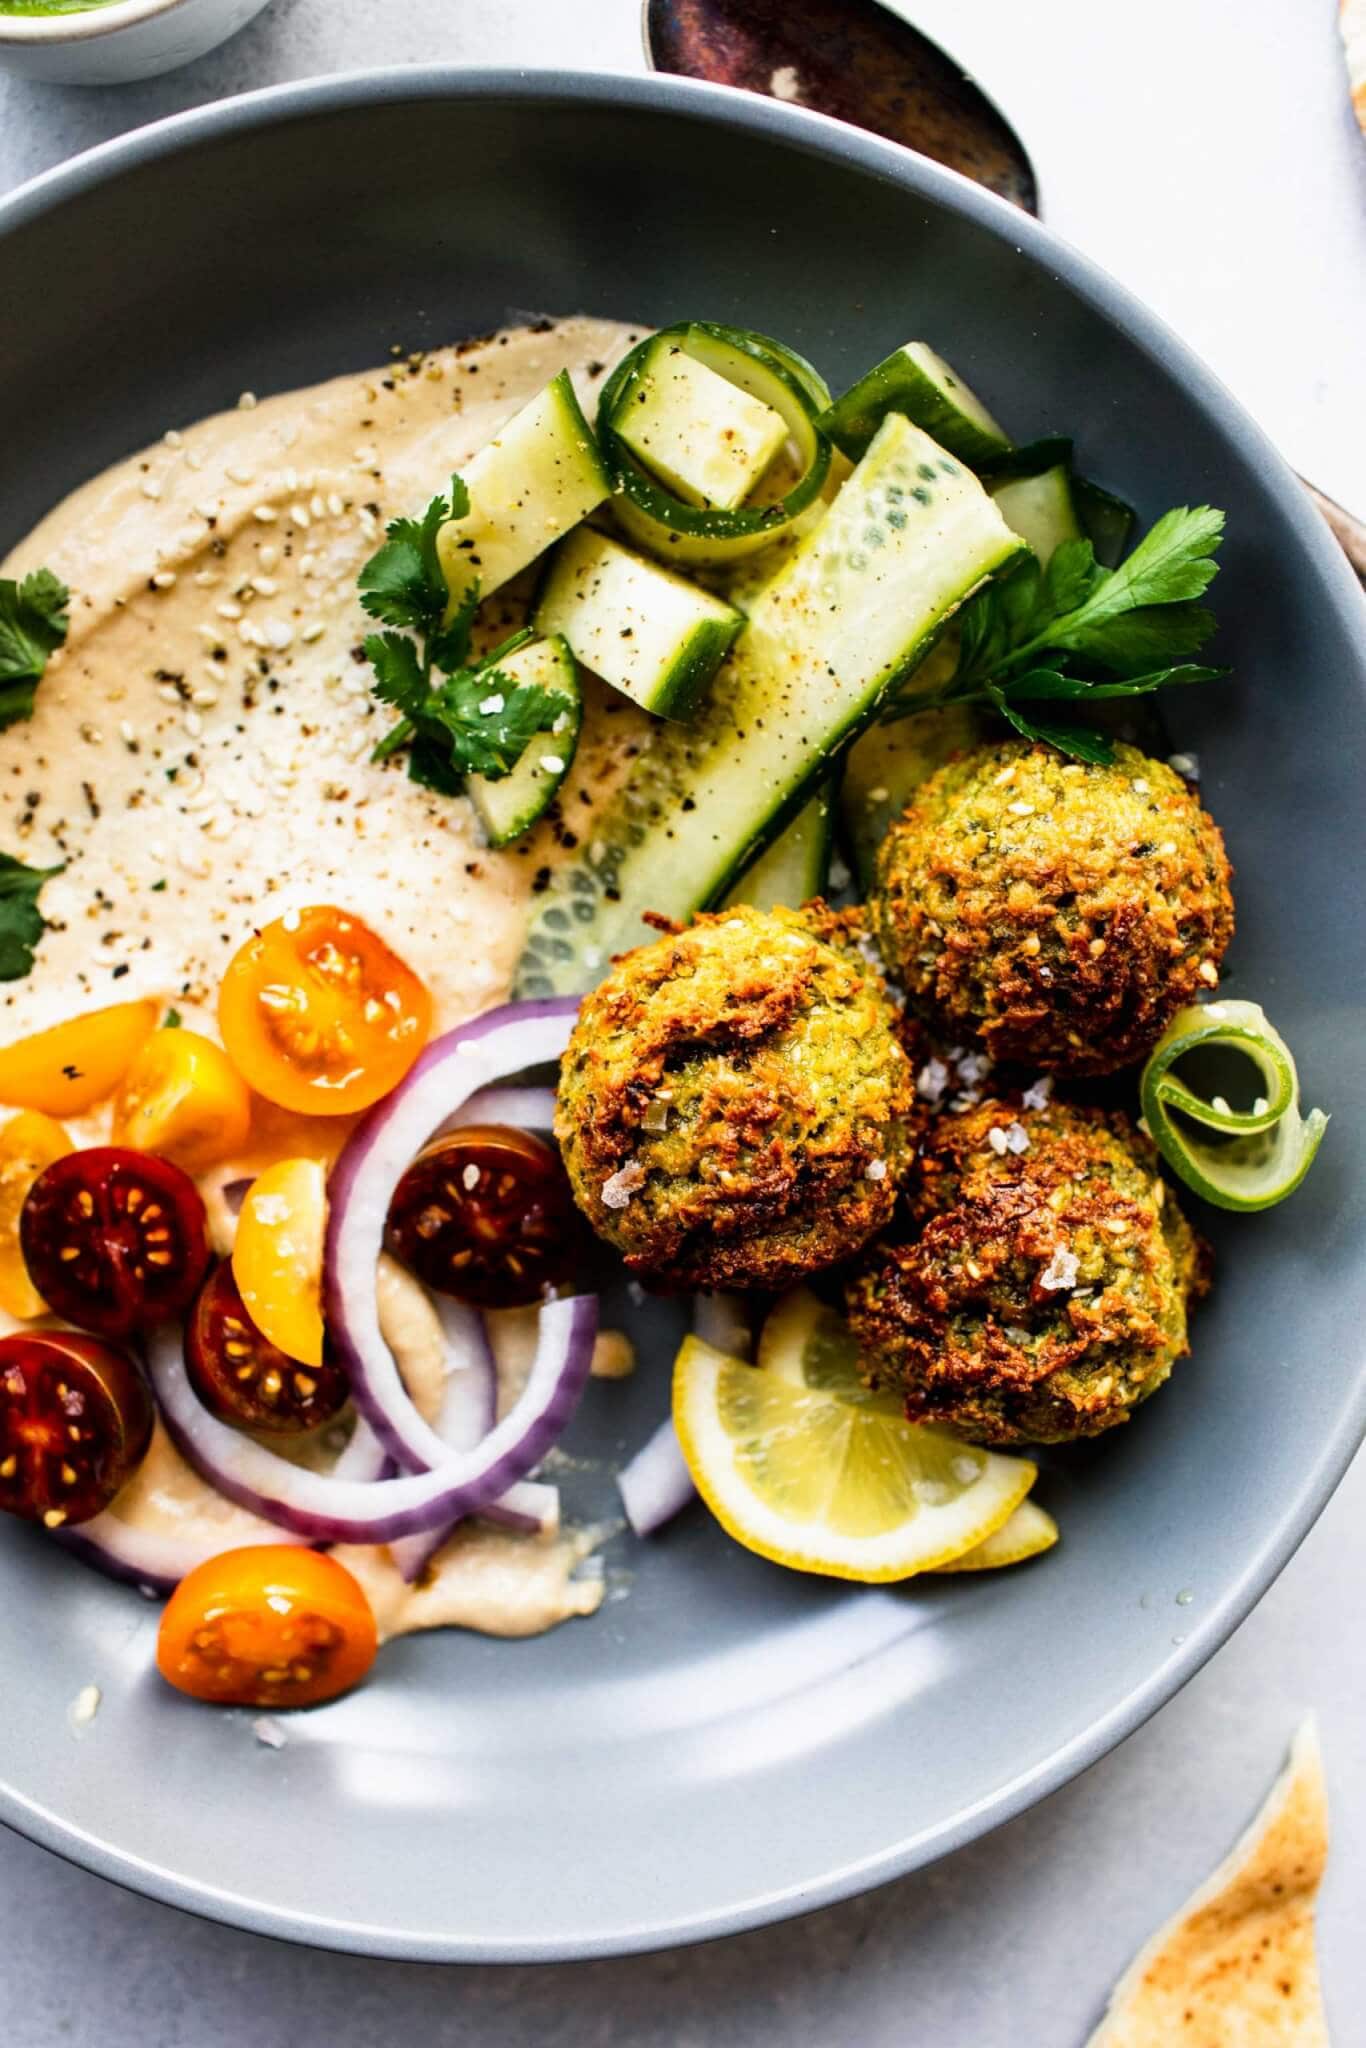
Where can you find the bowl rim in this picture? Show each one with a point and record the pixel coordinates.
(821, 136)
(87, 25)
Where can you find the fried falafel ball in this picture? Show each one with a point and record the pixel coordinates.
(1061, 912)
(734, 1107)
(1039, 1289)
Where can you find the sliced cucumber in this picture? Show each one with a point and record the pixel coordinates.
(917, 382)
(652, 635)
(796, 866)
(653, 514)
(854, 609)
(1040, 508)
(1107, 521)
(705, 437)
(1238, 1159)
(536, 479)
(511, 805)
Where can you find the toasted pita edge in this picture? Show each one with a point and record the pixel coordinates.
(1297, 1807)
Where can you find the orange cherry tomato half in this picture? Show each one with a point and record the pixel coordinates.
(320, 1015)
(277, 1257)
(268, 1626)
(183, 1097)
(28, 1143)
(74, 1065)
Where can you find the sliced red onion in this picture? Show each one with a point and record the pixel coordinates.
(656, 1485)
(469, 1410)
(447, 1074)
(722, 1320)
(328, 1509)
(156, 1559)
(527, 1109)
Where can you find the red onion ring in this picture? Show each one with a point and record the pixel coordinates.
(656, 1485)
(468, 1412)
(326, 1509)
(373, 1161)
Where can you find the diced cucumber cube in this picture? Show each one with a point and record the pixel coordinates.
(649, 633)
(703, 436)
(539, 476)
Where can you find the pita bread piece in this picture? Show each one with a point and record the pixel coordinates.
(1352, 20)
(1236, 1968)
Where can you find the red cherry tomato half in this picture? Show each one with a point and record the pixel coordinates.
(75, 1423)
(486, 1214)
(114, 1240)
(244, 1378)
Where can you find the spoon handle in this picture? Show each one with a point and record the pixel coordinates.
(1346, 528)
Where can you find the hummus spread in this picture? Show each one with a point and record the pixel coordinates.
(198, 762)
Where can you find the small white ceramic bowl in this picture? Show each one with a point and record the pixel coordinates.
(109, 45)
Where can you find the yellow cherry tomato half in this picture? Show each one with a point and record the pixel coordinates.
(320, 1015)
(277, 1259)
(184, 1098)
(271, 1625)
(28, 1143)
(75, 1065)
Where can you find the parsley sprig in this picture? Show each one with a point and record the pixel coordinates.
(33, 624)
(457, 717)
(1075, 634)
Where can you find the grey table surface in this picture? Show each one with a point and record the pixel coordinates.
(1207, 156)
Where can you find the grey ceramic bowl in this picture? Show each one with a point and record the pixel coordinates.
(728, 1743)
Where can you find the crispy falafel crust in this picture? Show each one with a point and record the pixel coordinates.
(1062, 912)
(966, 1312)
(734, 1105)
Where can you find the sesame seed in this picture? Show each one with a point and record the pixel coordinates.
(268, 555)
(247, 402)
(299, 514)
(317, 507)
(1209, 973)
(151, 488)
(1140, 785)
(172, 438)
(229, 609)
(996, 1138)
(165, 579)
(336, 504)
(553, 764)
(312, 631)
(194, 724)
(238, 475)
(267, 514)
(278, 634)
(1187, 765)
(168, 693)
(879, 795)
(205, 696)
(264, 586)
(194, 458)
(1020, 809)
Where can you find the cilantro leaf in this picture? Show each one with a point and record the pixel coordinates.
(33, 624)
(488, 719)
(1040, 683)
(21, 922)
(399, 676)
(402, 584)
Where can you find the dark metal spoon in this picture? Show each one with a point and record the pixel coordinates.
(852, 59)
(857, 60)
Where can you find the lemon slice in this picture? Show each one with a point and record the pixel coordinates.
(800, 1462)
(1029, 1531)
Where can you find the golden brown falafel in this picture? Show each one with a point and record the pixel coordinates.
(1038, 1290)
(1061, 912)
(734, 1105)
